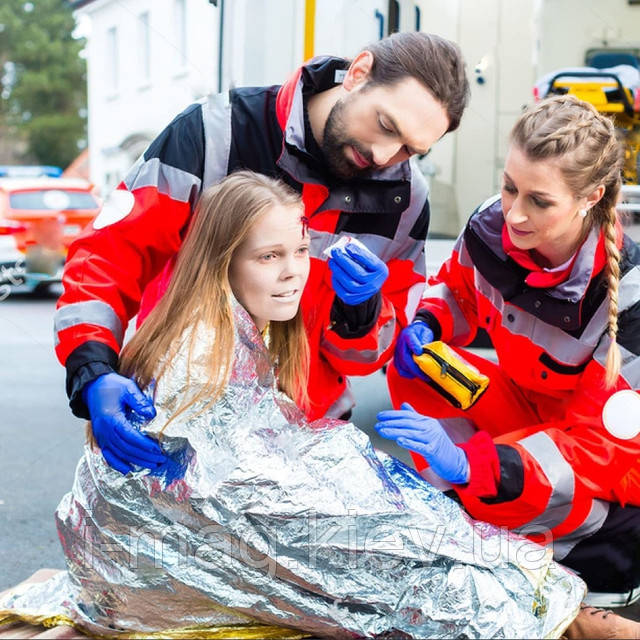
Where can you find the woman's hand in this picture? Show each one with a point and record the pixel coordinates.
(425, 436)
(410, 342)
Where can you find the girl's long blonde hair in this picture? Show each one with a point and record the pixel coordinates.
(592, 156)
(199, 292)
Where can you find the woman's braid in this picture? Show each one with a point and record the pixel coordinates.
(566, 126)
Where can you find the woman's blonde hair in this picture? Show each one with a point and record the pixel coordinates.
(592, 156)
(199, 292)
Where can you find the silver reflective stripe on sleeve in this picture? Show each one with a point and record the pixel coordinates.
(93, 312)
(630, 369)
(441, 291)
(592, 523)
(565, 348)
(177, 184)
(216, 119)
(561, 478)
(321, 240)
(385, 338)
(384, 248)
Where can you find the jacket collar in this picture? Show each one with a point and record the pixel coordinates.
(559, 302)
(317, 75)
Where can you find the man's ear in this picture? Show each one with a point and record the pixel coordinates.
(358, 71)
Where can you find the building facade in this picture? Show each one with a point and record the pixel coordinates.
(149, 59)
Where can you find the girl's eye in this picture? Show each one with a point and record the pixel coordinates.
(303, 250)
(267, 257)
(509, 188)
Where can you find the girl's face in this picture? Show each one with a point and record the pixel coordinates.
(540, 211)
(269, 269)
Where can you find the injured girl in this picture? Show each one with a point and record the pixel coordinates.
(258, 523)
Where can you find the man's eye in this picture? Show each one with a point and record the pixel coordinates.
(384, 127)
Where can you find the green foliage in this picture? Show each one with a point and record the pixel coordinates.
(43, 79)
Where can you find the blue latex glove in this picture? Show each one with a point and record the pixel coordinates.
(425, 436)
(357, 274)
(110, 398)
(410, 343)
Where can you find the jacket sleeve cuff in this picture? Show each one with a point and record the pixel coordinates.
(484, 466)
(83, 376)
(431, 321)
(86, 363)
(355, 321)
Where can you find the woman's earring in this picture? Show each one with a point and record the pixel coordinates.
(583, 213)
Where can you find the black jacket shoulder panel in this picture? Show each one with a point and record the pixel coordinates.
(256, 137)
(181, 143)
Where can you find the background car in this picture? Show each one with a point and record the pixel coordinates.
(39, 219)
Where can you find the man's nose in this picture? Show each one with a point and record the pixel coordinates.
(384, 154)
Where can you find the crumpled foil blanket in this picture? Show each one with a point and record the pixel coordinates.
(261, 517)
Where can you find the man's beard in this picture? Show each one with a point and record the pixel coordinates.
(334, 143)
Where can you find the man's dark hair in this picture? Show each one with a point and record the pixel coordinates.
(433, 61)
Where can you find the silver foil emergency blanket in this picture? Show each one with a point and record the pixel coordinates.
(262, 517)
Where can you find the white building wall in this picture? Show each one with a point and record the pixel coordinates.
(507, 44)
(343, 27)
(141, 107)
(570, 27)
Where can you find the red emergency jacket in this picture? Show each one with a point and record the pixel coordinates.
(551, 340)
(124, 260)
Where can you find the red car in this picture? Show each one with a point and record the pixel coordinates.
(39, 218)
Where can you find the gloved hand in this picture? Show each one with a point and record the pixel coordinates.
(410, 343)
(109, 398)
(425, 436)
(357, 274)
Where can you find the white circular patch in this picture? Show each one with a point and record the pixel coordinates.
(621, 414)
(118, 205)
(55, 199)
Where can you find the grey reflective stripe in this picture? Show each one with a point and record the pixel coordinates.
(463, 253)
(575, 286)
(563, 347)
(627, 296)
(414, 295)
(461, 327)
(216, 119)
(561, 478)
(405, 247)
(321, 240)
(385, 338)
(488, 291)
(177, 184)
(630, 369)
(294, 132)
(384, 248)
(91, 312)
(592, 523)
(628, 288)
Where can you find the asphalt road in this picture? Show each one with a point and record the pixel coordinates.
(40, 441)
